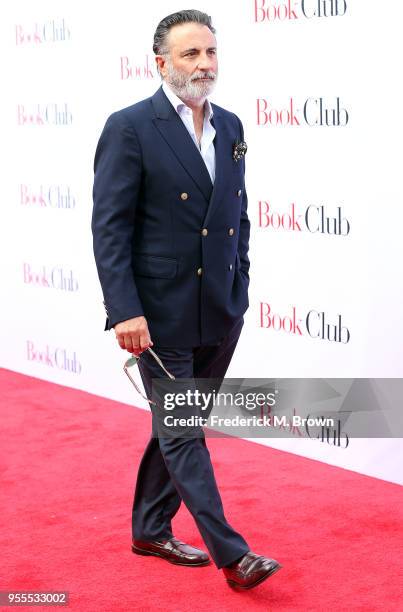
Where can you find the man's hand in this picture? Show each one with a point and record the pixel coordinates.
(133, 335)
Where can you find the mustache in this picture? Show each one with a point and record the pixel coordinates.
(204, 75)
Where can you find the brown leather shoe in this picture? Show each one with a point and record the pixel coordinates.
(250, 571)
(172, 550)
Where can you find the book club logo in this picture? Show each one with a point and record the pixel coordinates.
(45, 277)
(269, 11)
(44, 114)
(315, 324)
(135, 69)
(312, 218)
(311, 112)
(53, 357)
(41, 33)
(326, 433)
(46, 196)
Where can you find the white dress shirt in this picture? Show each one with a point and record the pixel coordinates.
(206, 147)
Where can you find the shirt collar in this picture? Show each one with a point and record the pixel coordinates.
(177, 103)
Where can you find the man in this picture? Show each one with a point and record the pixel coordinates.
(171, 236)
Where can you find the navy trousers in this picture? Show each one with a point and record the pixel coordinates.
(173, 469)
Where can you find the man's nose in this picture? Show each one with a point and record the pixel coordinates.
(205, 63)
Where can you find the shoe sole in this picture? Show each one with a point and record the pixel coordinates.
(272, 571)
(149, 553)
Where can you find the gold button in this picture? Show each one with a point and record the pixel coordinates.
(231, 231)
(204, 231)
(230, 267)
(184, 196)
(239, 193)
(199, 271)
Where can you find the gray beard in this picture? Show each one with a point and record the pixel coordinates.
(185, 88)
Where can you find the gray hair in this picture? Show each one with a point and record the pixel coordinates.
(160, 46)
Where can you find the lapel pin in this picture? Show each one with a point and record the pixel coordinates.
(239, 150)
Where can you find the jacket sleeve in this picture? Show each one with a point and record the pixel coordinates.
(244, 229)
(117, 180)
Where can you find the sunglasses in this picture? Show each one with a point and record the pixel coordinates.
(133, 360)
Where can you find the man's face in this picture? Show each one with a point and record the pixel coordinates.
(191, 66)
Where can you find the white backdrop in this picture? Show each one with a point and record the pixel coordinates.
(324, 187)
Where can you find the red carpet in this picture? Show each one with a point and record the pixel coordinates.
(68, 467)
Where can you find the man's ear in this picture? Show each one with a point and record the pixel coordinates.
(160, 63)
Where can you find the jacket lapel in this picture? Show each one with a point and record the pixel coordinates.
(175, 134)
(223, 159)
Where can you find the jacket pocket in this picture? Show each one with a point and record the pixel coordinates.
(154, 266)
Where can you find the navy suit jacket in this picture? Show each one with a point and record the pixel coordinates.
(153, 202)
